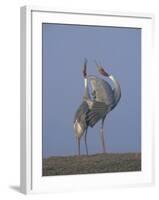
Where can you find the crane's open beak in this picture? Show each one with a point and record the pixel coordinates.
(85, 68)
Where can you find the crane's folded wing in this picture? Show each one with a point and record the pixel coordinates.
(98, 111)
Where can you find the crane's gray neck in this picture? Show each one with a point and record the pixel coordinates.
(117, 90)
(86, 90)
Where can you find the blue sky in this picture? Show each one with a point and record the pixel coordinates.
(64, 50)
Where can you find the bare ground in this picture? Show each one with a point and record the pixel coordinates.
(98, 163)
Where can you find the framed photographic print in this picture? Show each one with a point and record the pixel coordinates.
(86, 100)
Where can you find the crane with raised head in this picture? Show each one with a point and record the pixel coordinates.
(80, 124)
(105, 99)
(92, 110)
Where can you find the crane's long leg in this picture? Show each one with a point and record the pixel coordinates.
(102, 136)
(78, 143)
(85, 139)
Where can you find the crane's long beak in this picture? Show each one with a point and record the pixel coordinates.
(85, 68)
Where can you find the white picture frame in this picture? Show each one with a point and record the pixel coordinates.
(31, 90)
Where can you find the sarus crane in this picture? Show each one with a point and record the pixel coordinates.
(80, 124)
(92, 110)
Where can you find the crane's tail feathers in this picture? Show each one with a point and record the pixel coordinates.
(92, 120)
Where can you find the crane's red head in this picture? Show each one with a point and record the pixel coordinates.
(101, 70)
(85, 68)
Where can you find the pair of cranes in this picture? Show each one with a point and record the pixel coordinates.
(97, 105)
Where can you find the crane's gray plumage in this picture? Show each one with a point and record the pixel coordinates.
(80, 115)
(97, 112)
(102, 89)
